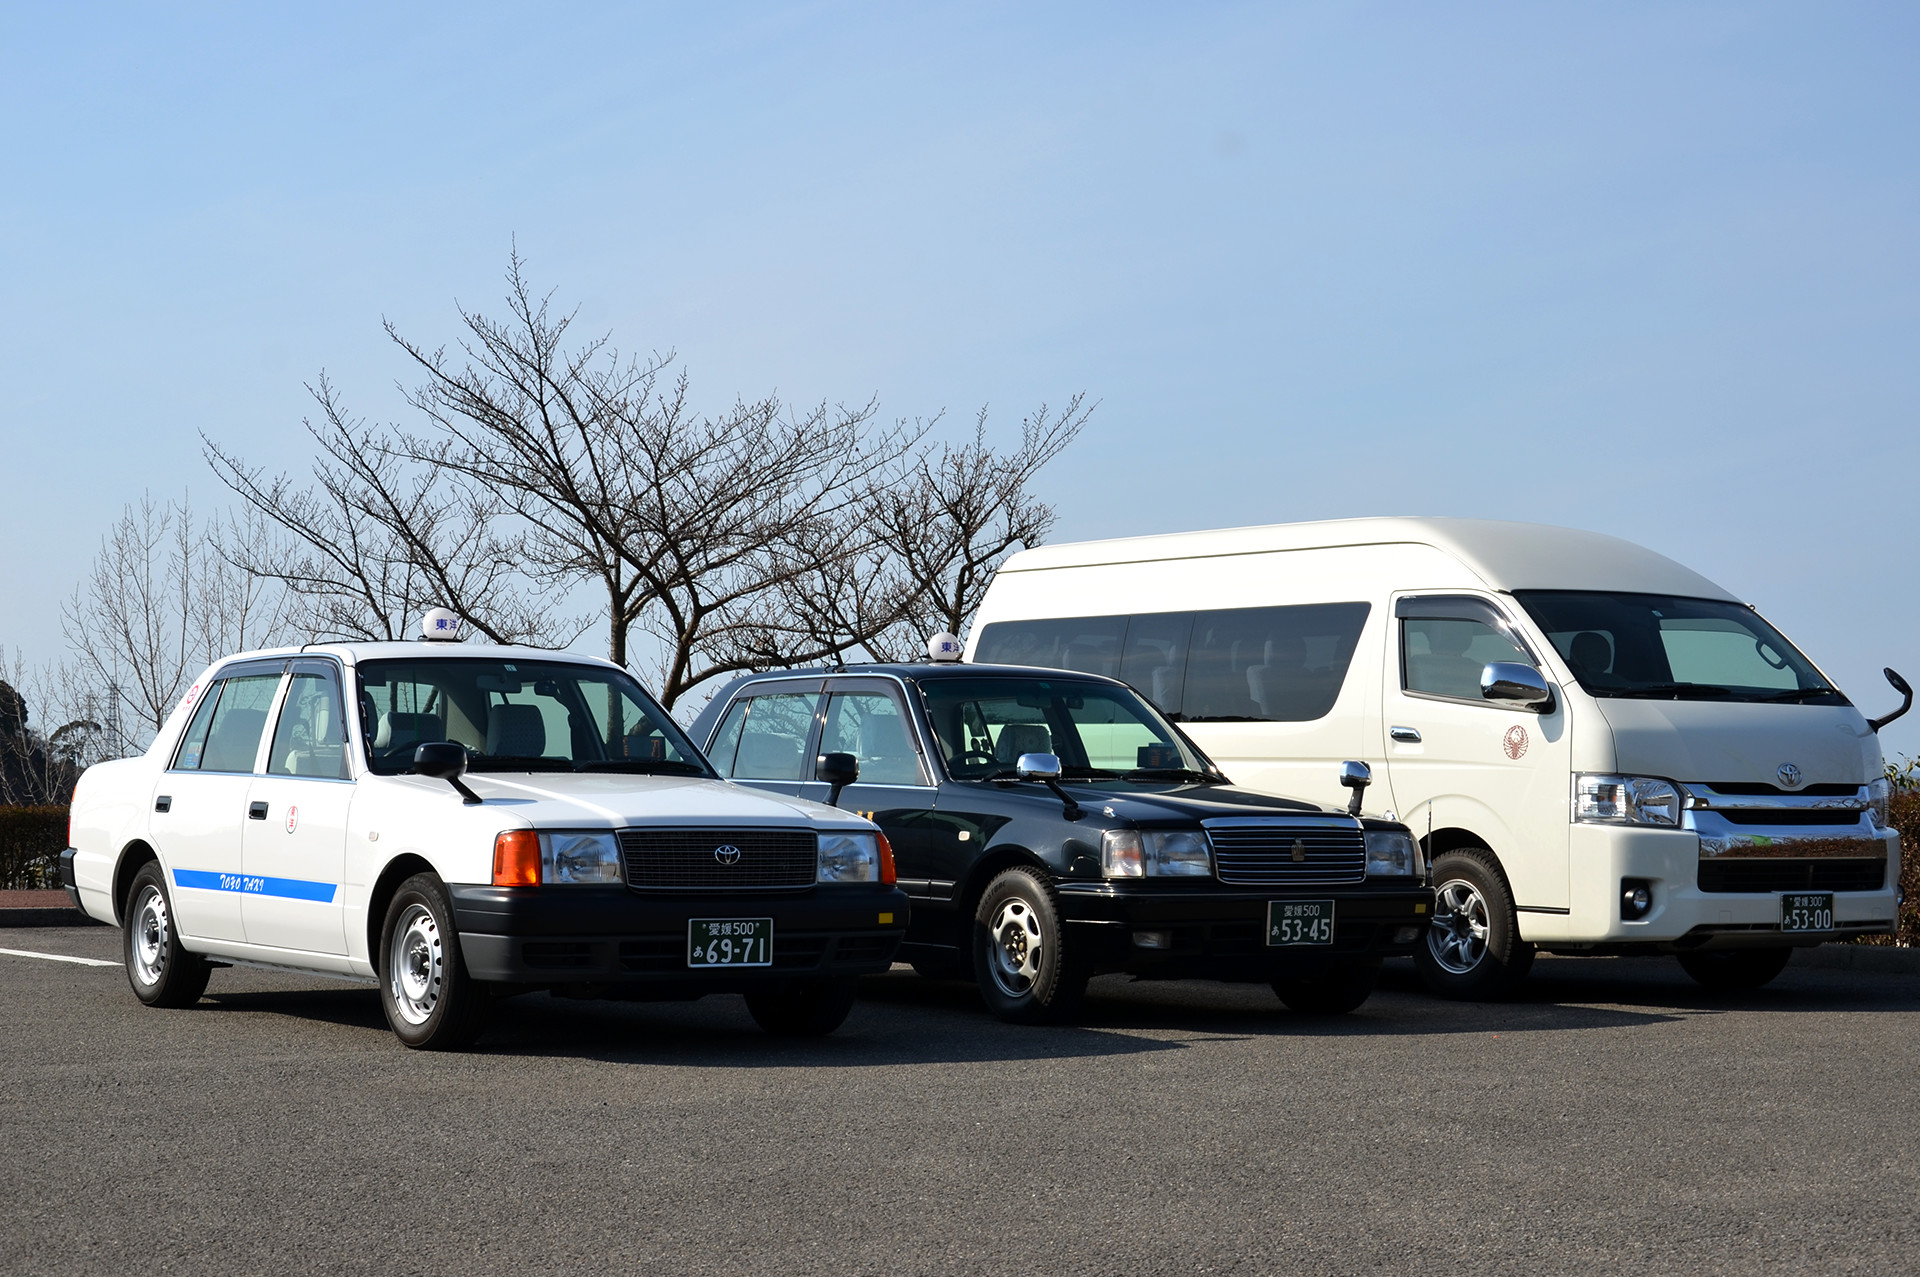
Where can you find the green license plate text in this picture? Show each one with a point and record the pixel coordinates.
(730, 942)
(1299, 922)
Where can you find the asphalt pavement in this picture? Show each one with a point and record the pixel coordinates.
(1615, 1119)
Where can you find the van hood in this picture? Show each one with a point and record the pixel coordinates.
(1718, 741)
(599, 800)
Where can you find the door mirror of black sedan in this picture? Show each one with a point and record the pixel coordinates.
(1520, 686)
(1038, 767)
(444, 760)
(839, 771)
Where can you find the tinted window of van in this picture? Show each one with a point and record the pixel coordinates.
(1265, 664)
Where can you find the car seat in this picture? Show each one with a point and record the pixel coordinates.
(1022, 738)
(516, 731)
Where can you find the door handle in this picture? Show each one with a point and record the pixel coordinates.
(256, 811)
(1405, 735)
(164, 802)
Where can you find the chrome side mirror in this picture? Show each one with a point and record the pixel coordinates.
(1521, 686)
(1355, 776)
(1038, 767)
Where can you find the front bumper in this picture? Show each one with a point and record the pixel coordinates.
(1220, 933)
(67, 879)
(612, 941)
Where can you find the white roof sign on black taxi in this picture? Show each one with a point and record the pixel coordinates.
(462, 821)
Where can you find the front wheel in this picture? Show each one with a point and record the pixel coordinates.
(805, 1010)
(431, 1003)
(1027, 972)
(1332, 990)
(1735, 970)
(161, 972)
(1473, 950)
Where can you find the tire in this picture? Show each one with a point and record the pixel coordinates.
(1332, 990)
(430, 1001)
(1735, 970)
(1026, 971)
(161, 972)
(1473, 951)
(809, 1009)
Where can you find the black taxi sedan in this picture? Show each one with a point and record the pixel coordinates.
(1051, 826)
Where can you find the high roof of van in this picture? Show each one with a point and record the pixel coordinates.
(1507, 556)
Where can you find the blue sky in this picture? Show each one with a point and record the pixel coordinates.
(1649, 270)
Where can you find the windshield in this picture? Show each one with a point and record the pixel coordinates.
(518, 715)
(1661, 647)
(1098, 732)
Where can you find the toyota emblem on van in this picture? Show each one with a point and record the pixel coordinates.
(727, 854)
(1789, 775)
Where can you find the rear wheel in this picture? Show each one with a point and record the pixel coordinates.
(1473, 950)
(1026, 971)
(431, 1003)
(1735, 970)
(1332, 990)
(806, 1010)
(161, 972)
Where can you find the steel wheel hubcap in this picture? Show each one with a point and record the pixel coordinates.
(150, 936)
(416, 967)
(1018, 947)
(1458, 937)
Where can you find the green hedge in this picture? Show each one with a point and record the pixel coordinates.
(31, 839)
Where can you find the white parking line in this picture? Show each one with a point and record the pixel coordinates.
(58, 957)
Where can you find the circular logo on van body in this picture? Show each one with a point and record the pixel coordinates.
(727, 854)
(1789, 775)
(1514, 743)
(293, 818)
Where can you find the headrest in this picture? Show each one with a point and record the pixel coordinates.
(1022, 738)
(516, 731)
(397, 728)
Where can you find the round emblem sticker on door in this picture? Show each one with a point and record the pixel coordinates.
(293, 818)
(1514, 743)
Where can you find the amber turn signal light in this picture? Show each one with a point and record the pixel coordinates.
(886, 861)
(516, 859)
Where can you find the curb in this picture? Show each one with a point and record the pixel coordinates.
(59, 917)
(1859, 957)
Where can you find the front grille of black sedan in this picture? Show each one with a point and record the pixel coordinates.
(1284, 853)
(720, 859)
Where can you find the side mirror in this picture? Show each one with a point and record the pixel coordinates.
(1906, 703)
(1521, 686)
(1355, 776)
(444, 760)
(839, 771)
(1045, 768)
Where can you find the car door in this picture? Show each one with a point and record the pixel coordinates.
(868, 718)
(294, 847)
(200, 802)
(766, 737)
(1456, 760)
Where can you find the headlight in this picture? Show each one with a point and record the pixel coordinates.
(1879, 796)
(849, 858)
(1390, 854)
(1174, 853)
(580, 858)
(1625, 800)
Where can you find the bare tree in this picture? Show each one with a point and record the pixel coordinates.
(40, 763)
(373, 541)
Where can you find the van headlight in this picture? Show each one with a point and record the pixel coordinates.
(1390, 854)
(1600, 799)
(849, 857)
(1879, 799)
(584, 858)
(1155, 853)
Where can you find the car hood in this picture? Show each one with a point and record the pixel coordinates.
(1709, 741)
(1181, 803)
(601, 800)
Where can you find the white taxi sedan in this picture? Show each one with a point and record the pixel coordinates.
(461, 822)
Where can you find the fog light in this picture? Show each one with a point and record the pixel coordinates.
(1153, 939)
(1405, 935)
(1636, 898)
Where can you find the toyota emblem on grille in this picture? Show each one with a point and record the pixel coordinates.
(1789, 775)
(727, 854)
(1299, 851)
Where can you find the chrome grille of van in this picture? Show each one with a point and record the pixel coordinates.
(1253, 852)
(685, 859)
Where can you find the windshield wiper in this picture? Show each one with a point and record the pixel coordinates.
(1800, 693)
(1088, 773)
(510, 763)
(1652, 690)
(1172, 773)
(641, 765)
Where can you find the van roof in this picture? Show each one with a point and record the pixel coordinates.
(1506, 555)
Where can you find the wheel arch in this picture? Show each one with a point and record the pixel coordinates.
(395, 872)
(1441, 841)
(132, 857)
(996, 861)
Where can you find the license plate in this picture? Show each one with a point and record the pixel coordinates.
(730, 942)
(1292, 922)
(1806, 911)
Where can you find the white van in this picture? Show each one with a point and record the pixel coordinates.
(1603, 751)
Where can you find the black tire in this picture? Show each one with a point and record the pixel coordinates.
(1027, 972)
(1334, 989)
(1735, 970)
(430, 1001)
(161, 972)
(808, 1009)
(1473, 951)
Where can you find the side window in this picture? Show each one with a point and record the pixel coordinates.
(871, 727)
(193, 745)
(726, 741)
(1155, 661)
(773, 739)
(1444, 657)
(1271, 664)
(310, 738)
(239, 721)
(1087, 643)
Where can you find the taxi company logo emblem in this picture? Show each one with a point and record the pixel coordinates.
(1514, 743)
(1789, 775)
(727, 854)
(293, 818)
(1299, 851)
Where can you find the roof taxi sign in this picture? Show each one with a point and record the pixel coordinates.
(440, 625)
(943, 647)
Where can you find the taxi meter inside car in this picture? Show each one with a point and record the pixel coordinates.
(460, 822)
